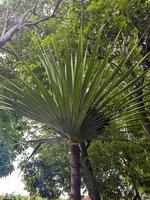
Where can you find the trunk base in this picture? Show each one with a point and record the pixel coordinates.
(75, 172)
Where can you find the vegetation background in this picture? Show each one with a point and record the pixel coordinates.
(119, 160)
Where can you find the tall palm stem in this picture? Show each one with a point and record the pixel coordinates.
(75, 172)
(88, 174)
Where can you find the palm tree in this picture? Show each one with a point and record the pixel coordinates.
(78, 102)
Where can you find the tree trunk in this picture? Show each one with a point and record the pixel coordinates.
(137, 194)
(88, 174)
(75, 172)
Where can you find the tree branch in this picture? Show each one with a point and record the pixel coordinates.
(47, 141)
(8, 35)
(9, 51)
(23, 22)
(46, 17)
(5, 24)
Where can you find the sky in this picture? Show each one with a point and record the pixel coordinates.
(12, 183)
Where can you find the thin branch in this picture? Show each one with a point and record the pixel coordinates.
(23, 22)
(14, 7)
(5, 23)
(46, 17)
(9, 51)
(8, 35)
(46, 140)
(29, 12)
(35, 150)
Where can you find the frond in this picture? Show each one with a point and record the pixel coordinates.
(79, 102)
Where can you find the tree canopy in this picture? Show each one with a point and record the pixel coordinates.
(78, 71)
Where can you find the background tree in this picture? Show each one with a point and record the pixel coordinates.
(114, 15)
(82, 119)
(21, 14)
(48, 175)
(121, 171)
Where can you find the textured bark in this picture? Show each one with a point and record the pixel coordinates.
(75, 172)
(137, 196)
(24, 22)
(88, 174)
(8, 35)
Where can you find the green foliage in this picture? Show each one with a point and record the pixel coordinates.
(120, 167)
(77, 87)
(18, 197)
(119, 110)
(10, 135)
(48, 175)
